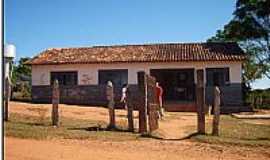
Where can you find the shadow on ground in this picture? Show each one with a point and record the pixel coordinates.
(153, 136)
(99, 128)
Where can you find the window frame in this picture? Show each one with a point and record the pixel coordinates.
(63, 74)
(123, 72)
(223, 70)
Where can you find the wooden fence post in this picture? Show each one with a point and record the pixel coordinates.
(130, 111)
(143, 103)
(152, 104)
(55, 102)
(200, 101)
(216, 117)
(110, 98)
(7, 97)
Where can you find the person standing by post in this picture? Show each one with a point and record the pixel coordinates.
(110, 98)
(124, 95)
(159, 92)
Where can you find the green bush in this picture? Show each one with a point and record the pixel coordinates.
(259, 99)
(22, 92)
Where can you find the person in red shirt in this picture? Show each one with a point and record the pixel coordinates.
(159, 92)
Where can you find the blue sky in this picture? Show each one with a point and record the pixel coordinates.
(34, 25)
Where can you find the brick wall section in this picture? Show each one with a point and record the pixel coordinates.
(231, 98)
(95, 95)
(79, 94)
(41, 94)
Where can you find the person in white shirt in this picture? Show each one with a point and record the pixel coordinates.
(124, 95)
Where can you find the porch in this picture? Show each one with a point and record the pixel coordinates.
(178, 88)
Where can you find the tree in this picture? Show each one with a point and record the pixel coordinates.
(250, 27)
(21, 79)
(21, 71)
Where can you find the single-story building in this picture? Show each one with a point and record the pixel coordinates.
(83, 72)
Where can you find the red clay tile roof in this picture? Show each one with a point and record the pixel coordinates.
(170, 52)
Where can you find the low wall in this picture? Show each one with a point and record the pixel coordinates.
(79, 94)
(231, 96)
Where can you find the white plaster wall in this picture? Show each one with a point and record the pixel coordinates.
(88, 73)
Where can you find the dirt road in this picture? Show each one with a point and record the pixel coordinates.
(173, 127)
(22, 149)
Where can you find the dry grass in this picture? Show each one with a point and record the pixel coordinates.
(41, 112)
(33, 121)
(25, 126)
(237, 132)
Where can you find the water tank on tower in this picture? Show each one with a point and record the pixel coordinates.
(10, 51)
(9, 55)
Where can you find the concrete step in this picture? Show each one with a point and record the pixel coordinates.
(235, 109)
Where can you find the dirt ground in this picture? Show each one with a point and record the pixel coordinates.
(173, 126)
(22, 149)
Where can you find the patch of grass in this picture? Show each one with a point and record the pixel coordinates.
(25, 126)
(237, 132)
(41, 113)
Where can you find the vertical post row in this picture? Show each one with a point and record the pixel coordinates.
(200, 101)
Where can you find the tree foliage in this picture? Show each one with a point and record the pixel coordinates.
(250, 27)
(21, 80)
(21, 72)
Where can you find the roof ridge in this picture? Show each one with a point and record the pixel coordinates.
(145, 44)
(166, 43)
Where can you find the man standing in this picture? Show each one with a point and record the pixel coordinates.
(159, 92)
(124, 95)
